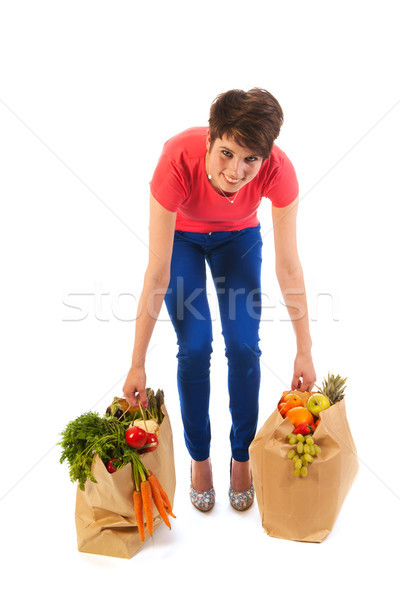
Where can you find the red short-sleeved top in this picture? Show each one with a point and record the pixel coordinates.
(181, 185)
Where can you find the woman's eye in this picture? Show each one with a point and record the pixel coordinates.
(248, 159)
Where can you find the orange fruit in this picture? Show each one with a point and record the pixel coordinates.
(298, 415)
(303, 396)
(288, 404)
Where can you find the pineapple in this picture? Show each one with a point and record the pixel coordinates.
(334, 387)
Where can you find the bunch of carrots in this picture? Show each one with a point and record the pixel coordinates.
(147, 489)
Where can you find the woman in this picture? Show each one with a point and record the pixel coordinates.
(205, 192)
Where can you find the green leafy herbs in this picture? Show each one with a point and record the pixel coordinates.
(88, 435)
(91, 434)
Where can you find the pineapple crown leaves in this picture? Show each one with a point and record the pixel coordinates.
(333, 387)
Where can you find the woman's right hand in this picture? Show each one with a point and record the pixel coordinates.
(135, 387)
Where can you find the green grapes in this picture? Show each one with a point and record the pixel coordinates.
(303, 454)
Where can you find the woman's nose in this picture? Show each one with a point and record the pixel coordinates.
(235, 169)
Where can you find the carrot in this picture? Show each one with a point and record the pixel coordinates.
(158, 501)
(138, 506)
(164, 496)
(145, 489)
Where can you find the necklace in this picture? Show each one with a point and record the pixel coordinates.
(222, 192)
(231, 200)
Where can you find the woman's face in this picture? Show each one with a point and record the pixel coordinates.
(231, 166)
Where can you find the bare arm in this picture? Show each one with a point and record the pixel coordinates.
(156, 280)
(291, 281)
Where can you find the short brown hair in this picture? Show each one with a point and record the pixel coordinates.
(253, 119)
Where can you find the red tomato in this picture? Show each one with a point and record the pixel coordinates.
(135, 437)
(150, 439)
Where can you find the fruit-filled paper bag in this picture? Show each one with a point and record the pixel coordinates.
(297, 508)
(104, 514)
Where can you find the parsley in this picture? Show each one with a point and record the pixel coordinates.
(91, 434)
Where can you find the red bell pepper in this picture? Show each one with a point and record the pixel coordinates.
(110, 466)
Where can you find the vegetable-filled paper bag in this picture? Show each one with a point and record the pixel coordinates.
(104, 515)
(297, 508)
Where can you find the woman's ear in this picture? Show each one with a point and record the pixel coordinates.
(208, 140)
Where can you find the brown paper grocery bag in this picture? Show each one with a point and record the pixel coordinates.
(104, 515)
(303, 508)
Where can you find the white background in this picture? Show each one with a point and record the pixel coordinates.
(89, 91)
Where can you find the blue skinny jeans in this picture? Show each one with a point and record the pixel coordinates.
(234, 259)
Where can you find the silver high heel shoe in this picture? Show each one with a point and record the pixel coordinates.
(241, 500)
(204, 501)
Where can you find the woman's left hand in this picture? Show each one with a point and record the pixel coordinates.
(304, 375)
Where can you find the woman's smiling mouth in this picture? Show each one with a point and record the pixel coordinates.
(230, 180)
